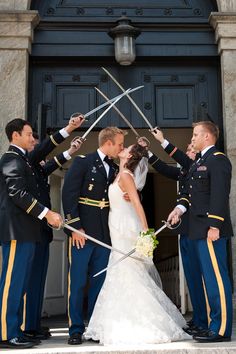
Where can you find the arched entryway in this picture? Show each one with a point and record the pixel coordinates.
(177, 62)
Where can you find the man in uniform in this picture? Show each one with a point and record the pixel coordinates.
(86, 207)
(207, 199)
(191, 268)
(33, 299)
(20, 217)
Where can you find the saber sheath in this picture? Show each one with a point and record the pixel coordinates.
(64, 225)
(119, 112)
(129, 254)
(131, 100)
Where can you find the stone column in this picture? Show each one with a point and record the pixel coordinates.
(16, 35)
(225, 33)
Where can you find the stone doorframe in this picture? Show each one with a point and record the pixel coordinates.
(17, 23)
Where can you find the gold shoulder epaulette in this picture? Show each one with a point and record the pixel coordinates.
(218, 153)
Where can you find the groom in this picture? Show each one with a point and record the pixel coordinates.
(86, 208)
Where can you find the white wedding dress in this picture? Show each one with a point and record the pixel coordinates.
(131, 307)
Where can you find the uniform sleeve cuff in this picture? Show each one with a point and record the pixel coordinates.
(182, 208)
(66, 155)
(43, 213)
(165, 144)
(64, 133)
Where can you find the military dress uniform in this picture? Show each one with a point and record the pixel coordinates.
(20, 230)
(187, 249)
(208, 203)
(86, 205)
(33, 300)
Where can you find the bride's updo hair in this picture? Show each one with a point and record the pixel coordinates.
(138, 152)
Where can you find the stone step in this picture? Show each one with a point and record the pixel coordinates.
(57, 344)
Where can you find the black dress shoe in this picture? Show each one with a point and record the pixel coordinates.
(31, 339)
(45, 330)
(75, 339)
(194, 330)
(32, 334)
(16, 343)
(209, 336)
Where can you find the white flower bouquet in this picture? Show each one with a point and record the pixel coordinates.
(146, 243)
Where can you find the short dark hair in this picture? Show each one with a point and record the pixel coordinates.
(15, 125)
(35, 135)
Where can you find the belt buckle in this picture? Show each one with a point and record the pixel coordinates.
(102, 204)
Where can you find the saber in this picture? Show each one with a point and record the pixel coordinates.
(64, 225)
(108, 108)
(120, 113)
(131, 100)
(129, 254)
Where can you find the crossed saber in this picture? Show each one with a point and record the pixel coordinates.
(112, 103)
(125, 255)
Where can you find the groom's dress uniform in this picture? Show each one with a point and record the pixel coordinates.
(86, 205)
(208, 203)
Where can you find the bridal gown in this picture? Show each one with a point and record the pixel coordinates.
(131, 307)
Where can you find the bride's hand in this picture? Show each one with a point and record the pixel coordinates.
(126, 197)
(77, 240)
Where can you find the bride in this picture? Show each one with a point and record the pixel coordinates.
(131, 307)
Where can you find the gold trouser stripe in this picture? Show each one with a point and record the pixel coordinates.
(53, 140)
(207, 303)
(31, 206)
(6, 288)
(24, 313)
(69, 281)
(215, 217)
(57, 162)
(173, 151)
(220, 286)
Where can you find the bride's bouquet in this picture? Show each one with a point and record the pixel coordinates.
(146, 243)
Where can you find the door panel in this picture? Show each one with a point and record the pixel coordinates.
(173, 95)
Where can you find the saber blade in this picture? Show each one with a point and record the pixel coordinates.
(119, 112)
(108, 102)
(131, 100)
(71, 228)
(108, 108)
(103, 114)
(129, 253)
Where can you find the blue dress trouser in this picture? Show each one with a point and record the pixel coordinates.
(84, 263)
(213, 261)
(35, 289)
(193, 275)
(16, 268)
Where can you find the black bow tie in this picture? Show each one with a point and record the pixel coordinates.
(108, 160)
(198, 156)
